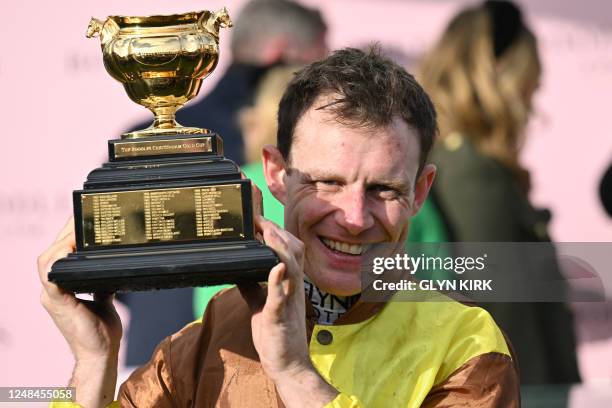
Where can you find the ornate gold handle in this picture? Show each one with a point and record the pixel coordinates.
(211, 22)
(106, 30)
(94, 28)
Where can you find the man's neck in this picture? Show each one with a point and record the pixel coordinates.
(328, 308)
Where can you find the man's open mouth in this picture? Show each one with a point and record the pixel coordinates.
(344, 247)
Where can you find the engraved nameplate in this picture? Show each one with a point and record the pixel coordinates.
(162, 147)
(162, 215)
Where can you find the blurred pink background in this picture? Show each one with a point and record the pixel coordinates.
(60, 107)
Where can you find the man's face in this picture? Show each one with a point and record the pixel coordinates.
(347, 189)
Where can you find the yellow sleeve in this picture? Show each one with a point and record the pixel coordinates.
(114, 404)
(344, 401)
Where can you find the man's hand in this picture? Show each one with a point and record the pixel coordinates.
(91, 328)
(279, 327)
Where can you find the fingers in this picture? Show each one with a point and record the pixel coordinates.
(56, 251)
(257, 199)
(263, 224)
(64, 244)
(289, 248)
(278, 289)
(275, 240)
(258, 227)
(268, 227)
(287, 278)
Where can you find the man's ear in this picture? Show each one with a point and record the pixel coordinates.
(423, 185)
(275, 170)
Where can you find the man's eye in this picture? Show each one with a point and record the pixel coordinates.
(326, 184)
(385, 192)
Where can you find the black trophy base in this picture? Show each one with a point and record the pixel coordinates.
(164, 212)
(143, 269)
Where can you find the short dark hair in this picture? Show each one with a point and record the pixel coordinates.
(372, 90)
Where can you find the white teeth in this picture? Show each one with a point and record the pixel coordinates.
(353, 249)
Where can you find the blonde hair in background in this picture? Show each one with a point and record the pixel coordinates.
(485, 99)
(259, 122)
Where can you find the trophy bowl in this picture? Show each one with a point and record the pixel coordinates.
(161, 61)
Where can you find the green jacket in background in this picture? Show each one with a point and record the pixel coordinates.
(481, 203)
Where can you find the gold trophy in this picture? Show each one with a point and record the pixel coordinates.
(167, 210)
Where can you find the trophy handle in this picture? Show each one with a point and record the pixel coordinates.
(211, 22)
(94, 28)
(106, 30)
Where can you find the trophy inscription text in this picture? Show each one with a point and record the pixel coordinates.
(162, 215)
(162, 147)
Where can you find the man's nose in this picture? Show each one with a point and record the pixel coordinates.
(353, 213)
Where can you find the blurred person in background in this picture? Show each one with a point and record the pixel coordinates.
(266, 33)
(258, 122)
(258, 125)
(482, 75)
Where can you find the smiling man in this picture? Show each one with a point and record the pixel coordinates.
(350, 167)
(355, 191)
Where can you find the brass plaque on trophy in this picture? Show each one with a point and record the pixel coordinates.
(167, 210)
(128, 148)
(169, 214)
